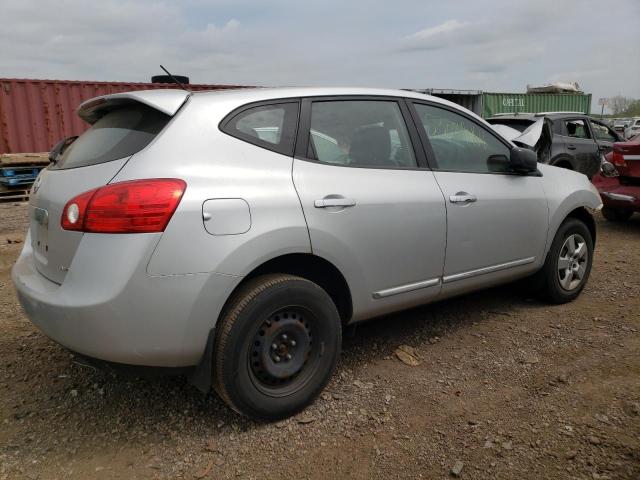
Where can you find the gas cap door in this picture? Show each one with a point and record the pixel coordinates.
(226, 216)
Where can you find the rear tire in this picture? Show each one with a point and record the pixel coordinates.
(568, 263)
(616, 214)
(276, 346)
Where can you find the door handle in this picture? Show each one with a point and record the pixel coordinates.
(571, 147)
(334, 202)
(462, 197)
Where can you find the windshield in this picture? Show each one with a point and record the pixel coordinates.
(118, 134)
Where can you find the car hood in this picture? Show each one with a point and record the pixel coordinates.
(506, 131)
(529, 138)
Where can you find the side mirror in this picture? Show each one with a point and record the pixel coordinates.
(523, 160)
(59, 148)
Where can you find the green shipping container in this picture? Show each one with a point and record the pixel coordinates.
(494, 103)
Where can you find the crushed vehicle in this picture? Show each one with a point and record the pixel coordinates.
(562, 139)
(235, 233)
(619, 183)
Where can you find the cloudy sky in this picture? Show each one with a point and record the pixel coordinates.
(491, 45)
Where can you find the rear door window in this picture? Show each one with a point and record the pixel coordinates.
(271, 126)
(576, 129)
(360, 133)
(118, 134)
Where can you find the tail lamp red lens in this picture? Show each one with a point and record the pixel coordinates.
(137, 206)
(617, 158)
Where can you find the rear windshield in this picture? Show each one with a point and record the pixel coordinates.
(118, 134)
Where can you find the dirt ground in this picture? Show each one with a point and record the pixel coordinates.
(507, 387)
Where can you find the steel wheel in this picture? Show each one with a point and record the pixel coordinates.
(276, 346)
(572, 262)
(283, 356)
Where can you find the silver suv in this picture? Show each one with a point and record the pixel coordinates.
(236, 233)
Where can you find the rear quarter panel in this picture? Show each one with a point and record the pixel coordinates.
(218, 166)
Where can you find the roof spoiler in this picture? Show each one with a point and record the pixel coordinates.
(167, 101)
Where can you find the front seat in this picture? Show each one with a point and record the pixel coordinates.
(370, 146)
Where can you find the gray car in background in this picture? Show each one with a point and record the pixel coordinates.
(237, 232)
(563, 139)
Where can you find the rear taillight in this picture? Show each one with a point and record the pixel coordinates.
(138, 206)
(617, 158)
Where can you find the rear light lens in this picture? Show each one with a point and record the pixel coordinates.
(617, 158)
(74, 211)
(138, 206)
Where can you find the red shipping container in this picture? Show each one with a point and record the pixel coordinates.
(36, 114)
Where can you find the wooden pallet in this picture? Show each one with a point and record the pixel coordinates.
(14, 195)
(13, 159)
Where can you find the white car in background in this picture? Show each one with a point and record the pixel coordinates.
(633, 129)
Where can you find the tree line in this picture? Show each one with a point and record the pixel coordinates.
(624, 106)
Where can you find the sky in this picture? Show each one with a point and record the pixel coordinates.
(491, 45)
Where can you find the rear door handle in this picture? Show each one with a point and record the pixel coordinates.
(334, 202)
(571, 147)
(462, 197)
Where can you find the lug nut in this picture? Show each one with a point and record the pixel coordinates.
(288, 356)
(292, 343)
(276, 359)
(284, 336)
(274, 346)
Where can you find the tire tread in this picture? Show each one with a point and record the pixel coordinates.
(237, 303)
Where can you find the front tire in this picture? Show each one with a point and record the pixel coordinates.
(616, 214)
(568, 263)
(276, 346)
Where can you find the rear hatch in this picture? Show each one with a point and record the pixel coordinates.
(121, 125)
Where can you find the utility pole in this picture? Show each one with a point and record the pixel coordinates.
(603, 102)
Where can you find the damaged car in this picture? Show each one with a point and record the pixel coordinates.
(619, 182)
(568, 140)
(232, 235)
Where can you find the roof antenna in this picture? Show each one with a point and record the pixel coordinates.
(175, 80)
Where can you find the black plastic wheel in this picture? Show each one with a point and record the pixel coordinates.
(276, 347)
(568, 263)
(616, 214)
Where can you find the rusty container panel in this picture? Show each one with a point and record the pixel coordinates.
(35, 114)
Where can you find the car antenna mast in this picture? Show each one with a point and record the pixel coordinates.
(175, 80)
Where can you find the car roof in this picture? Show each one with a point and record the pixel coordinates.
(257, 94)
(243, 96)
(237, 97)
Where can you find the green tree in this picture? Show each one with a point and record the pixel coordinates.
(633, 110)
(619, 104)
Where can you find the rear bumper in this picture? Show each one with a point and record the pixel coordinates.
(109, 308)
(615, 195)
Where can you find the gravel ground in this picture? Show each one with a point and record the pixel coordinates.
(506, 387)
